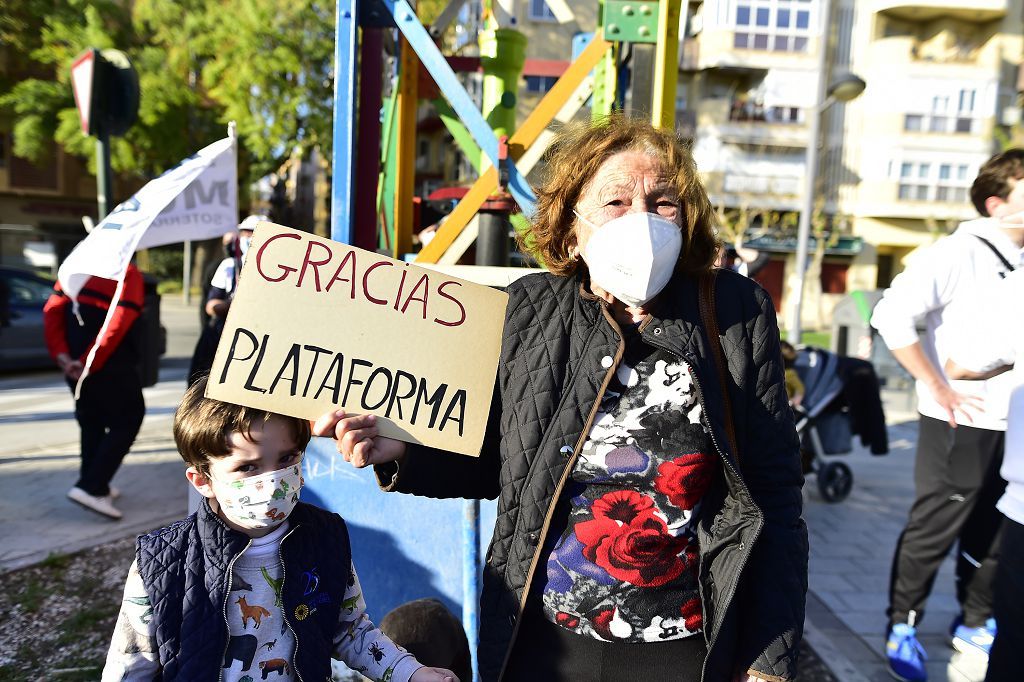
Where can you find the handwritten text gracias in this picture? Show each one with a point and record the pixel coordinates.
(430, 298)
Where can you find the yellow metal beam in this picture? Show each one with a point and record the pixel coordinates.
(548, 107)
(520, 141)
(405, 149)
(666, 65)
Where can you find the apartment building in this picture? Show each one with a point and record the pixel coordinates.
(895, 164)
(942, 83)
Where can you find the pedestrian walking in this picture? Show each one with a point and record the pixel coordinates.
(648, 483)
(962, 424)
(997, 346)
(221, 291)
(110, 407)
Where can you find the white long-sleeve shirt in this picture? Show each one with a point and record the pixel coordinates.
(997, 339)
(260, 643)
(941, 285)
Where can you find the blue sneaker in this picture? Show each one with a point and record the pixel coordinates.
(906, 655)
(975, 640)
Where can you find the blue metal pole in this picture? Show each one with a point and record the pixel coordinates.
(346, 68)
(471, 577)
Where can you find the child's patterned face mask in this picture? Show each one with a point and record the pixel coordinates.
(260, 502)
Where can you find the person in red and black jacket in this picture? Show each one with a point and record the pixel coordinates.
(110, 408)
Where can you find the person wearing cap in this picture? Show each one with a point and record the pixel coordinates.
(218, 298)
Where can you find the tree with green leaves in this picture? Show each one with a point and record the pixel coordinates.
(266, 64)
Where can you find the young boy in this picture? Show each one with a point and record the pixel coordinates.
(255, 583)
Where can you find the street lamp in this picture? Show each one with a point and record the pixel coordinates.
(842, 89)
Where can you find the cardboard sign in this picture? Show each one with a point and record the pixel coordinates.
(317, 325)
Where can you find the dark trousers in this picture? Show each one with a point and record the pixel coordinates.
(1003, 665)
(109, 414)
(545, 651)
(956, 484)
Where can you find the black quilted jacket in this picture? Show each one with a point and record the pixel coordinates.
(753, 542)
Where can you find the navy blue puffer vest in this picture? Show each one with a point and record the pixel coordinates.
(186, 567)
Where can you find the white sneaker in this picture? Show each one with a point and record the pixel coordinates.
(100, 505)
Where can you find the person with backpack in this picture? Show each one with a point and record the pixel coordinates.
(110, 408)
(962, 424)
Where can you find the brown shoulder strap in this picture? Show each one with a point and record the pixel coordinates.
(706, 303)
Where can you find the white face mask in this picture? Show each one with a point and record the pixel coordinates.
(243, 245)
(633, 256)
(262, 501)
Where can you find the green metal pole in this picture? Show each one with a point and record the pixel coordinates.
(502, 55)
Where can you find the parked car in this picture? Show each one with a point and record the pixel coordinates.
(23, 294)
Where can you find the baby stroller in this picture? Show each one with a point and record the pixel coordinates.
(838, 391)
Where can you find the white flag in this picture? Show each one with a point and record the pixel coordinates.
(197, 199)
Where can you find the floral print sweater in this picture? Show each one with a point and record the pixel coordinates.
(625, 567)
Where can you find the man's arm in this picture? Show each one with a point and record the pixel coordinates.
(915, 361)
(955, 371)
(928, 284)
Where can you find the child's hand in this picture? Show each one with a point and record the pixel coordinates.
(426, 674)
(357, 438)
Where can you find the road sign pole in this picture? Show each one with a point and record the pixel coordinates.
(104, 181)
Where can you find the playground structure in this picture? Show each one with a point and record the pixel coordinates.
(372, 202)
(406, 547)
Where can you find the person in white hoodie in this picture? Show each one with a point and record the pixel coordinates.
(997, 347)
(962, 424)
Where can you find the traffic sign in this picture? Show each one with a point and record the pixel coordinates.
(106, 90)
(83, 70)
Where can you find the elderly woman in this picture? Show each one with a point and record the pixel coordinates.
(648, 483)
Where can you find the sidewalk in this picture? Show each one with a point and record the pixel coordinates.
(851, 554)
(39, 459)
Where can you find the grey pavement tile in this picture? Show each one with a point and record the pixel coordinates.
(861, 601)
(870, 581)
(821, 564)
(866, 623)
(831, 582)
(854, 648)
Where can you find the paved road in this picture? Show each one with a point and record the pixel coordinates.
(851, 542)
(851, 554)
(39, 458)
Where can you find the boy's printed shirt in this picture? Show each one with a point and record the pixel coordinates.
(260, 643)
(625, 567)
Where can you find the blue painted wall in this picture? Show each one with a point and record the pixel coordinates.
(404, 547)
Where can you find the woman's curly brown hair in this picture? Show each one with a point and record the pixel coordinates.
(573, 159)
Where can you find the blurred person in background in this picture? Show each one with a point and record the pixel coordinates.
(221, 290)
(110, 408)
(962, 425)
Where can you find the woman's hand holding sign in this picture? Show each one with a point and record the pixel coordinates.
(358, 439)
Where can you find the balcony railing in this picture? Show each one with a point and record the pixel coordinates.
(978, 11)
(946, 124)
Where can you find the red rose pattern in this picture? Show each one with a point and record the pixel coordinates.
(629, 541)
(691, 612)
(685, 479)
(626, 567)
(567, 620)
